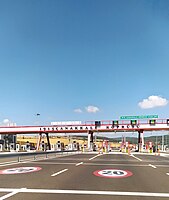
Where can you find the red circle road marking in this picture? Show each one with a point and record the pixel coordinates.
(20, 170)
(113, 173)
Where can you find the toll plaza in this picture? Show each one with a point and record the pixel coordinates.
(126, 124)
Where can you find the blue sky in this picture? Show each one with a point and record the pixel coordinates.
(83, 59)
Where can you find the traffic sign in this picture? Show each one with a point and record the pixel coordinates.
(139, 117)
(20, 170)
(113, 173)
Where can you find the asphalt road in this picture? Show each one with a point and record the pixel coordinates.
(88, 177)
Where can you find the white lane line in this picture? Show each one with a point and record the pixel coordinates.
(152, 166)
(162, 166)
(8, 195)
(135, 157)
(15, 191)
(167, 174)
(98, 164)
(79, 163)
(120, 164)
(85, 192)
(95, 156)
(57, 173)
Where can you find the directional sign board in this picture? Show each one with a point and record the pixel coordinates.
(139, 117)
(113, 173)
(20, 170)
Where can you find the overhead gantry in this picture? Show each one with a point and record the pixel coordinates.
(91, 127)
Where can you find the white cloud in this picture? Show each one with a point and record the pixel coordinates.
(152, 102)
(78, 110)
(6, 121)
(92, 109)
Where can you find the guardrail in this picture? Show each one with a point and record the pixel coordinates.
(13, 158)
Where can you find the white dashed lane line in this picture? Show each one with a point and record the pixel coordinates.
(95, 156)
(135, 157)
(81, 163)
(60, 172)
(152, 166)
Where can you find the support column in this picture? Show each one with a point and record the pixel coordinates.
(162, 143)
(140, 140)
(39, 141)
(90, 140)
(48, 141)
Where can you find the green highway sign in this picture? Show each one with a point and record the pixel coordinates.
(139, 117)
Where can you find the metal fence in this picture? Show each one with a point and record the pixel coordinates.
(12, 158)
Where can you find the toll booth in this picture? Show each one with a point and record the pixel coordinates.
(17, 147)
(1, 144)
(28, 147)
(1, 147)
(23, 147)
(62, 146)
(43, 146)
(9, 140)
(12, 147)
(74, 145)
(66, 147)
(85, 147)
(70, 146)
(78, 146)
(58, 146)
(95, 147)
(53, 147)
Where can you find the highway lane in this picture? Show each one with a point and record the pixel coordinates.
(72, 177)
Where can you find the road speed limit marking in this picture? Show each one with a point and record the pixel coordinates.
(20, 170)
(113, 173)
